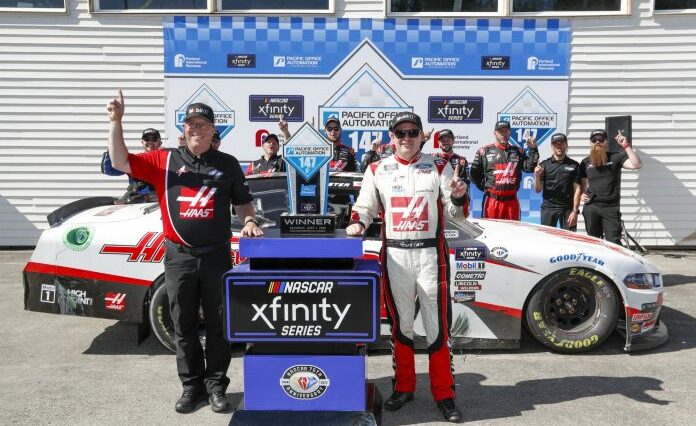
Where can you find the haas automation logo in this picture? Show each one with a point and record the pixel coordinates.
(409, 214)
(196, 203)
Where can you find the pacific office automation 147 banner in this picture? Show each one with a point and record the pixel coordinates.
(460, 74)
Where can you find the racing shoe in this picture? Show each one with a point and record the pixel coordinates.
(449, 410)
(219, 403)
(189, 400)
(397, 400)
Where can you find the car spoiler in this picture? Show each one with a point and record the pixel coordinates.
(57, 216)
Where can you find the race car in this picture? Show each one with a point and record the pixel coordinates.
(571, 291)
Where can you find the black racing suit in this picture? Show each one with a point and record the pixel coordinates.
(137, 190)
(195, 195)
(497, 171)
(273, 164)
(370, 156)
(343, 159)
(601, 212)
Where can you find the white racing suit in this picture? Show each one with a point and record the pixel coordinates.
(415, 199)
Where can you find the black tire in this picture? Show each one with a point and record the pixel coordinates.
(161, 320)
(574, 310)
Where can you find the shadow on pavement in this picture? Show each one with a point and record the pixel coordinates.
(487, 402)
(671, 280)
(121, 339)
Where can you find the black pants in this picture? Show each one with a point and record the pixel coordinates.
(194, 281)
(603, 222)
(551, 216)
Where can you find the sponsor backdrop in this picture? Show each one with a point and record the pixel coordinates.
(461, 74)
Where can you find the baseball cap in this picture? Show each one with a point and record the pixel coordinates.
(406, 117)
(558, 137)
(334, 119)
(271, 136)
(200, 110)
(598, 133)
(445, 132)
(502, 125)
(151, 133)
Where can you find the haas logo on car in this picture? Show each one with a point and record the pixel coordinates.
(150, 248)
(196, 203)
(115, 301)
(409, 214)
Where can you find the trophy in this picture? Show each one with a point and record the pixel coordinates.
(307, 156)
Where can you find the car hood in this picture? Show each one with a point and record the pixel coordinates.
(113, 213)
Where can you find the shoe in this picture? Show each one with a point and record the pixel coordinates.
(219, 403)
(397, 400)
(449, 410)
(189, 400)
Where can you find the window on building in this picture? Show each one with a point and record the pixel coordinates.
(243, 5)
(675, 4)
(490, 6)
(32, 4)
(149, 5)
(521, 6)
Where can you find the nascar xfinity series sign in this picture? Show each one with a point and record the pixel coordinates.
(302, 307)
(459, 74)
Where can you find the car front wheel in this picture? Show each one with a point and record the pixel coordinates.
(572, 311)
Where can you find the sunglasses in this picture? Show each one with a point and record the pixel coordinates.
(199, 126)
(333, 129)
(150, 139)
(411, 133)
(598, 140)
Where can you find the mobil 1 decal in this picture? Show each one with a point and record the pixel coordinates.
(301, 308)
(365, 105)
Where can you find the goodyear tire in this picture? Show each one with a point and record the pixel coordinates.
(574, 310)
(161, 319)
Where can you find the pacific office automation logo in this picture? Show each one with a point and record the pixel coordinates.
(416, 62)
(196, 203)
(279, 61)
(409, 214)
(224, 115)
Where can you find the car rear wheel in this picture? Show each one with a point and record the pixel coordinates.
(573, 311)
(161, 319)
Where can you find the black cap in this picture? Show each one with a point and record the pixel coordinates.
(334, 119)
(271, 136)
(200, 110)
(598, 133)
(558, 137)
(151, 132)
(502, 125)
(445, 132)
(406, 117)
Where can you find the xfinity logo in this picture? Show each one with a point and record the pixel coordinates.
(495, 62)
(459, 109)
(273, 107)
(293, 312)
(241, 61)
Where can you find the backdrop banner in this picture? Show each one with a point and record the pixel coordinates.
(460, 74)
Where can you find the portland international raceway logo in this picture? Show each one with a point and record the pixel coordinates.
(364, 105)
(224, 115)
(528, 114)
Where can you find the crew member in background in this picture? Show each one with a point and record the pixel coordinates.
(215, 144)
(559, 177)
(137, 190)
(343, 159)
(270, 161)
(416, 192)
(497, 171)
(600, 175)
(196, 185)
(377, 151)
(446, 152)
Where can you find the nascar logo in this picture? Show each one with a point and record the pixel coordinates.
(280, 287)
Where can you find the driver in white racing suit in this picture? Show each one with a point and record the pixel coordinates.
(416, 193)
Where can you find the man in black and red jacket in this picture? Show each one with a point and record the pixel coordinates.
(497, 171)
(195, 185)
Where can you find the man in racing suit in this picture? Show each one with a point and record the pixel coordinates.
(378, 151)
(445, 139)
(195, 185)
(497, 171)
(417, 192)
(343, 159)
(270, 161)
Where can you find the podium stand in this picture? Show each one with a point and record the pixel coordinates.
(306, 307)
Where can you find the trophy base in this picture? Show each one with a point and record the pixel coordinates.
(307, 224)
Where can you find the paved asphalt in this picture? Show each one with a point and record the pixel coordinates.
(84, 371)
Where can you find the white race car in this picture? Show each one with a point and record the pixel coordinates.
(572, 291)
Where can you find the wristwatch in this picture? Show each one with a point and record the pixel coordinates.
(246, 222)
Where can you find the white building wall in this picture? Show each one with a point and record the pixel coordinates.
(57, 72)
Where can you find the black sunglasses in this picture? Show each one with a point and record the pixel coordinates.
(412, 133)
(598, 140)
(150, 139)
